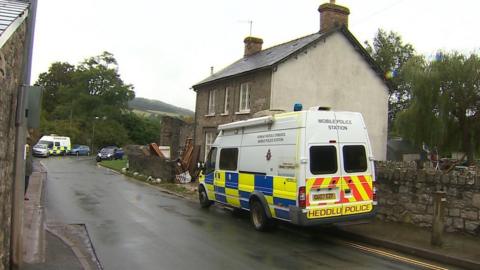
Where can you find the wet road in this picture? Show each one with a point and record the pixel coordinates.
(133, 226)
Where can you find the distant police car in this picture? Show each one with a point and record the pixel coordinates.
(305, 167)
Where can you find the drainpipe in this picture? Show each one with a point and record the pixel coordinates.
(16, 247)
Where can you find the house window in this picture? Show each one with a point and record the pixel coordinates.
(244, 105)
(209, 139)
(227, 101)
(211, 102)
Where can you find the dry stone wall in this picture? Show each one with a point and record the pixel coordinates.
(11, 62)
(405, 194)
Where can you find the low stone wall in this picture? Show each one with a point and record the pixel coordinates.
(140, 160)
(405, 194)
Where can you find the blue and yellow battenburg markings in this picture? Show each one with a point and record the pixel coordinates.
(235, 189)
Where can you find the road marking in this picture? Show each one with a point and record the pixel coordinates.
(395, 257)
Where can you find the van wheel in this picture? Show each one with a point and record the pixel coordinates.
(203, 198)
(258, 217)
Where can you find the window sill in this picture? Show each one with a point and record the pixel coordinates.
(209, 115)
(225, 114)
(243, 112)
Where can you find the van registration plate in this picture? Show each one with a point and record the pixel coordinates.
(324, 196)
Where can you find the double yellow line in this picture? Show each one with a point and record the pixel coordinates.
(395, 257)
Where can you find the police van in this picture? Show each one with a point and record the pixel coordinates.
(56, 145)
(305, 167)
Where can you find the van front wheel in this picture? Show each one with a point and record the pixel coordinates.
(203, 198)
(258, 217)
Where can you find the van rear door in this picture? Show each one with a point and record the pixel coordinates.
(356, 171)
(323, 176)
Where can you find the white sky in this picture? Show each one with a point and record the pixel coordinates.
(165, 47)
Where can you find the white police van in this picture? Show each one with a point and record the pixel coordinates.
(56, 145)
(305, 167)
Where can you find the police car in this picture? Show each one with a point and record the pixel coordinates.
(305, 167)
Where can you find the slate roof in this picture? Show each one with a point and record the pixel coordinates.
(10, 11)
(279, 53)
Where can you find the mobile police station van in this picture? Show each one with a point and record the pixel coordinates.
(305, 167)
(56, 145)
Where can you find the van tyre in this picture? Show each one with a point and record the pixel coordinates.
(203, 198)
(258, 217)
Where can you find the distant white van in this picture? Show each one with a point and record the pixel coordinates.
(306, 167)
(57, 145)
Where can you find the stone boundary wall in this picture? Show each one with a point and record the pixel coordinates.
(405, 194)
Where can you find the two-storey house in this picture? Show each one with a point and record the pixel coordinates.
(329, 68)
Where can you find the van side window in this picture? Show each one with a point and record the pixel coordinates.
(211, 159)
(323, 159)
(228, 159)
(354, 158)
(57, 143)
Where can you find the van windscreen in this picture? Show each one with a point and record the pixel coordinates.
(323, 159)
(354, 158)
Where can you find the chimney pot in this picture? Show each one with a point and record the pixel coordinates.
(332, 16)
(252, 45)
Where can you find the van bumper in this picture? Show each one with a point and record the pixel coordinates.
(299, 218)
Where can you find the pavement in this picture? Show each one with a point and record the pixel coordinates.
(458, 249)
(42, 249)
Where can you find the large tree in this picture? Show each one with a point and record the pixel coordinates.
(391, 53)
(92, 96)
(445, 108)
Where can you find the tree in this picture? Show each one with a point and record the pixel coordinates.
(391, 53)
(445, 108)
(77, 95)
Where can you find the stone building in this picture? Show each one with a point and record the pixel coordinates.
(328, 68)
(15, 52)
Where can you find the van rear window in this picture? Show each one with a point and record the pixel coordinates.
(228, 159)
(323, 159)
(354, 158)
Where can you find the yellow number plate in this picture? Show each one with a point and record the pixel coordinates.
(324, 196)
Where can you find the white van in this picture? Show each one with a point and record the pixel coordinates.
(57, 145)
(306, 167)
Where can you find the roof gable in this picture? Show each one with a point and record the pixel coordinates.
(279, 53)
(12, 14)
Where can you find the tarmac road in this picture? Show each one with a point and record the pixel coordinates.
(133, 226)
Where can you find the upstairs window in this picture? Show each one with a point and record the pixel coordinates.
(211, 102)
(244, 105)
(227, 101)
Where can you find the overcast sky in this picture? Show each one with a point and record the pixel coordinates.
(164, 47)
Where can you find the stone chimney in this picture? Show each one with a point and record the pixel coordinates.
(332, 16)
(252, 45)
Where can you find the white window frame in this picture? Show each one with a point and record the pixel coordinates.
(211, 102)
(226, 102)
(244, 104)
(209, 139)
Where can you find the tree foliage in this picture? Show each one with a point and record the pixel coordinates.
(391, 53)
(90, 102)
(445, 108)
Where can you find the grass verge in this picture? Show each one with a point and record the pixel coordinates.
(118, 165)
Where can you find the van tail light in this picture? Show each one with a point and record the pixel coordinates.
(374, 192)
(302, 197)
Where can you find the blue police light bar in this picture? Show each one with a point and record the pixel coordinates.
(297, 107)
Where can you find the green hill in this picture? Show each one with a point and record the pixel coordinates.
(151, 106)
